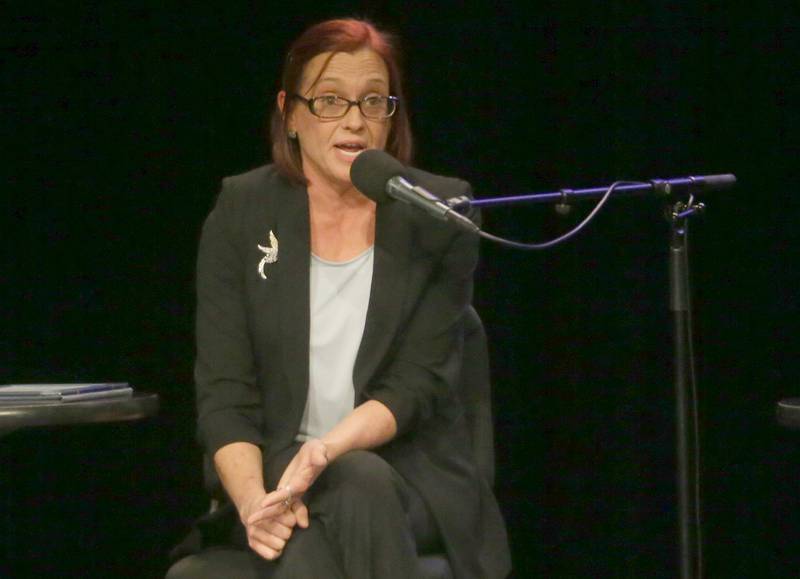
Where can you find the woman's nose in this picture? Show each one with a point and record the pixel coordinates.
(353, 119)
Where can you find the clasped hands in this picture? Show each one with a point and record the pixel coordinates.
(270, 518)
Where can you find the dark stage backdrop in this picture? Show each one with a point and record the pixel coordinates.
(121, 118)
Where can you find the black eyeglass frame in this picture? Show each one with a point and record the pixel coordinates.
(310, 104)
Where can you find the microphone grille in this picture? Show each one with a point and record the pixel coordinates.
(371, 170)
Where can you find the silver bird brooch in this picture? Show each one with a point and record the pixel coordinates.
(270, 254)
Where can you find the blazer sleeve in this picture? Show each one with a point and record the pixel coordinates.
(228, 400)
(424, 369)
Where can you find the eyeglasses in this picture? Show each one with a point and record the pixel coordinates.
(335, 107)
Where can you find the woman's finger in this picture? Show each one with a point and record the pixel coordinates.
(276, 497)
(264, 551)
(257, 535)
(276, 528)
(300, 511)
(269, 512)
(287, 518)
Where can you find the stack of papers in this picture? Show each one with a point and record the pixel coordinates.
(49, 393)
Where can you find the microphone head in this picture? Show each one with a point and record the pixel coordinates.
(716, 182)
(370, 172)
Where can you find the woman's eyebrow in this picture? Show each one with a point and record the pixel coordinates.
(374, 79)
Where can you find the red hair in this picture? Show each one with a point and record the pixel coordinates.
(341, 35)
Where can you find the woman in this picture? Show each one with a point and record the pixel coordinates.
(328, 339)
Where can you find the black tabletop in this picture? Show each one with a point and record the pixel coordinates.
(138, 406)
(787, 411)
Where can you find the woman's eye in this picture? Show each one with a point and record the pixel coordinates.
(373, 99)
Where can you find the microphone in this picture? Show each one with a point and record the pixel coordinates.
(716, 182)
(694, 184)
(381, 177)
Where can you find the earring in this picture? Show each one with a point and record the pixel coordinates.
(292, 134)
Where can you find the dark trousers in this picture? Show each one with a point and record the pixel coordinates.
(366, 522)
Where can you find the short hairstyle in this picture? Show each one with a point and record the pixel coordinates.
(340, 35)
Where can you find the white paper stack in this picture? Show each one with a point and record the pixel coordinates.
(49, 393)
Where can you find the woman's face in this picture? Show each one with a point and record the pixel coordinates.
(329, 146)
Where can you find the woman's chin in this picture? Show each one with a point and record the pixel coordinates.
(341, 171)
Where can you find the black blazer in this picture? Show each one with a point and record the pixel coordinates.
(253, 334)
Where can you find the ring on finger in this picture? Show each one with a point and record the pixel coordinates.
(288, 500)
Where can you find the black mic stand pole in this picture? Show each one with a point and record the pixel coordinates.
(686, 425)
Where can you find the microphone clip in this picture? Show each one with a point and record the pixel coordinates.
(681, 211)
(563, 207)
(461, 203)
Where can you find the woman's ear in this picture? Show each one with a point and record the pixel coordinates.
(281, 99)
(281, 102)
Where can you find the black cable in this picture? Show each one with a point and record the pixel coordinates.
(569, 234)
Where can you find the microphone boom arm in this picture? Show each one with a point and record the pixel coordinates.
(659, 187)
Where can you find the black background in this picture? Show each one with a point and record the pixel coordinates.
(121, 118)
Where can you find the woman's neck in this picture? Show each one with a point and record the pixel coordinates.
(332, 201)
(342, 222)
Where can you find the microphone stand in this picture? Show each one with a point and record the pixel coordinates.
(686, 420)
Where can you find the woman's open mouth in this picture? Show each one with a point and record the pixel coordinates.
(351, 149)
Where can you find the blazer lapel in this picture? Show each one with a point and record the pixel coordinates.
(387, 295)
(292, 298)
(392, 251)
